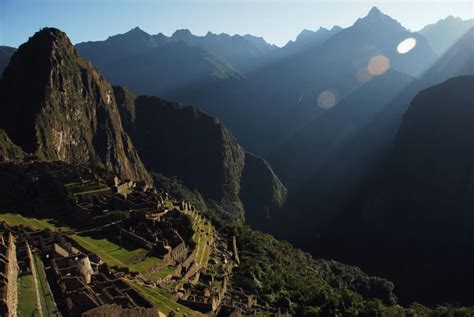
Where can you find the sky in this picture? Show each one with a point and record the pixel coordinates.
(275, 20)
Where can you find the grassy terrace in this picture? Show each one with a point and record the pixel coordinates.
(203, 236)
(163, 300)
(87, 187)
(31, 222)
(113, 254)
(47, 300)
(26, 296)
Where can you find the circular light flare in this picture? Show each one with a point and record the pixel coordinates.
(406, 45)
(363, 75)
(327, 99)
(378, 65)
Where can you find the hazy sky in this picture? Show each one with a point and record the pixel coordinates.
(276, 20)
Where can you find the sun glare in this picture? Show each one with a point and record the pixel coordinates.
(378, 65)
(406, 45)
(363, 75)
(327, 99)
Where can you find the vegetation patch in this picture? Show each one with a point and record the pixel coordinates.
(26, 295)
(48, 305)
(115, 255)
(31, 222)
(162, 299)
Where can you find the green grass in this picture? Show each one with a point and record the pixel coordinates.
(92, 191)
(109, 251)
(160, 273)
(31, 222)
(47, 300)
(162, 300)
(113, 254)
(203, 236)
(26, 296)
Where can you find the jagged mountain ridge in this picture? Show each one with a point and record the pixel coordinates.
(156, 64)
(162, 70)
(196, 148)
(285, 93)
(243, 53)
(69, 112)
(307, 39)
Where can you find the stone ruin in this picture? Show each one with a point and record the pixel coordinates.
(102, 205)
(8, 275)
(82, 284)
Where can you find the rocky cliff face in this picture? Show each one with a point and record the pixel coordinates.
(56, 105)
(261, 190)
(196, 148)
(9, 150)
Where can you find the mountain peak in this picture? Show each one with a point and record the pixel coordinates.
(375, 12)
(375, 17)
(182, 33)
(136, 30)
(47, 42)
(66, 97)
(50, 35)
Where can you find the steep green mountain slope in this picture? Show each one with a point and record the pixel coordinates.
(56, 105)
(196, 148)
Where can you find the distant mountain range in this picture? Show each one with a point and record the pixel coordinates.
(444, 33)
(285, 93)
(241, 52)
(307, 39)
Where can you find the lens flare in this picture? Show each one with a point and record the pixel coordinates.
(406, 45)
(378, 65)
(363, 75)
(327, 99)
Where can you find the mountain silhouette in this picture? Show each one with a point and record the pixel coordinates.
(6, 53)
(421, 208)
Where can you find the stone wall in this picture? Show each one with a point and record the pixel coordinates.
(235, 251)
(114, 310)
(12, 277)
(35, 278)
(136, 239)
(199, 306)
